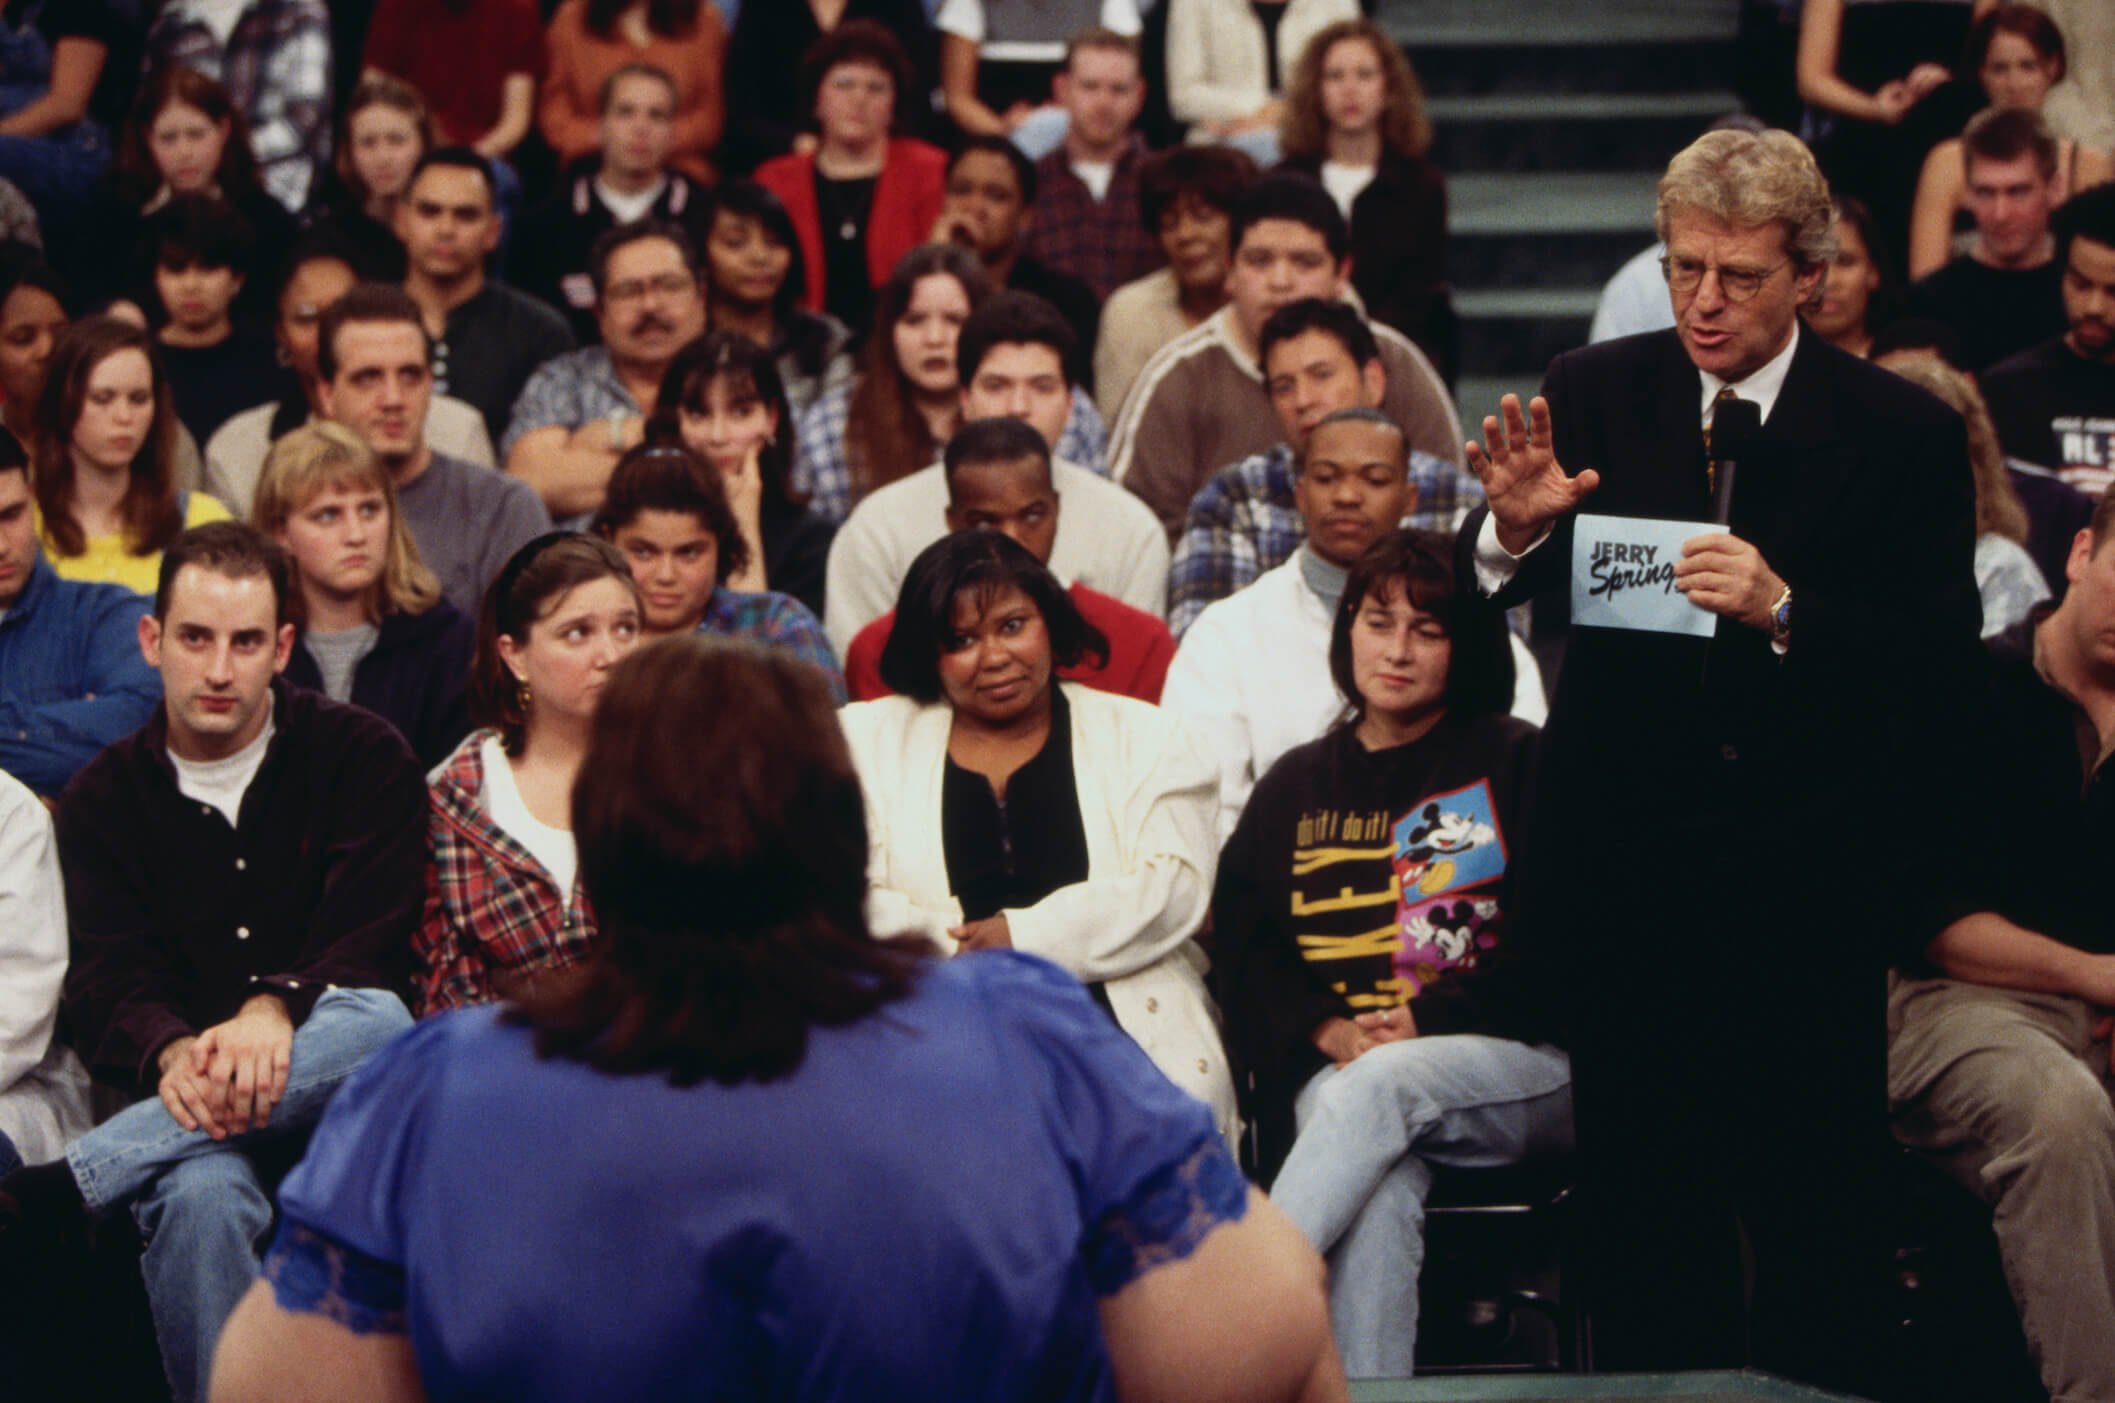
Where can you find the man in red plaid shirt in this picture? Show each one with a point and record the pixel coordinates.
(1086, 210)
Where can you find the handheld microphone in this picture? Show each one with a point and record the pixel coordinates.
(1734, 426)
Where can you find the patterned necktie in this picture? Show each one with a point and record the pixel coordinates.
(1724, 396)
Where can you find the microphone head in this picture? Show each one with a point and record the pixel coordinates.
(1734, 426)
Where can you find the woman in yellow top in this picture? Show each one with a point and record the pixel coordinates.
(105, 446)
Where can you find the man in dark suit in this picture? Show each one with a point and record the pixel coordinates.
(1730, 824)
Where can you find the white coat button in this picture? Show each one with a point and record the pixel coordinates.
(1202, 1066)
(1152, 1005)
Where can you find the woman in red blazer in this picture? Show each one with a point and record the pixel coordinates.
(860, 198)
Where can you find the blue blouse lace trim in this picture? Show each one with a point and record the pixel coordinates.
(312, 1275)
(1166, 1217)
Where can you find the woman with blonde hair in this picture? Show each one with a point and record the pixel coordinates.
(374, 629)
(1355, 120)
(2006, 577)
(104, 456)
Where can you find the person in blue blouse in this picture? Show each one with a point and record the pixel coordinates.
(667, 513)
(748, 1150)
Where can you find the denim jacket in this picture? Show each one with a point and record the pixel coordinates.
(72, 679)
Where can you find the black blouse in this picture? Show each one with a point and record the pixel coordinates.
(1013, 852)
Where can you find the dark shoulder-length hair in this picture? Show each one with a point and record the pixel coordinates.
(168, 87)
(885, 436)
(1405, 129)
(529, 585)
(668, 477)
(729, 888)
(746, 368)
(152, 514)
(671, 19)
(980, 564)
(857, 41)
(1420, 564)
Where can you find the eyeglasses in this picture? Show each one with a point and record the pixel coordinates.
(636, 289)
(1686, 275)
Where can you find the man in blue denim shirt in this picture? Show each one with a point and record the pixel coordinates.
(72, 679)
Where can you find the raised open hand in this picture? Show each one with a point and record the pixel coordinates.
(1522, 479)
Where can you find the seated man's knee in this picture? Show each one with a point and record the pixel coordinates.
(378, 1014)
(220, 1186)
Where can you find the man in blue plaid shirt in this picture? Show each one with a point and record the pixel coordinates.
(1318, 357)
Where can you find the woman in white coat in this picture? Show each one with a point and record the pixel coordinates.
(1230, 61)
(1007, 809)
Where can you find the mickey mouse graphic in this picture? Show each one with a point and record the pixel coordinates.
(1434, 843)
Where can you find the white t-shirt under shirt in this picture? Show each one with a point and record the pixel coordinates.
(1095, 175)
(1344, 183)
(629, 209)
(222, 783)
(552, 847)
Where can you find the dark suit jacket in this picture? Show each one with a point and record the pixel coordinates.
(1680, 770)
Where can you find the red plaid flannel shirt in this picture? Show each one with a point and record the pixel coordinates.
(1101, 242)
(494, 919)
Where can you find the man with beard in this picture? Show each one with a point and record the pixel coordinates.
(582, 410)
(2054, 405)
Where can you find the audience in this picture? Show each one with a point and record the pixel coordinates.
(1058, 1214)
(860, 197)
(1000, 478)
(476, 62)
(2017, 53)
(2054, 404)
(668, 514)
(321, 272)
(104, 460)
(1186, 201)
(626, 179)
(2007, 580)
(384, 133)
(1088, 221)
(43, 1087)
(1230, 63)
(998, 59)
(1355, 120)
(2004, 294)
(1859, 292)
(503, 908)
(1251, 672)
(373, 627)
(1368, 1064)
(1200, 403)
(374, 366)
(71, 676)
(1998, 1060)
(990, 206)
(1008, 810)
(237, 944)
(32, 314)
(723, 399)
(274, 56)
(1318, 357)
(906, 400)
(754, 285)
(1010, 359)
(767, 112)
(185, 137)
(487, 338)
(581, 410)
(588, 40)
(201, 255)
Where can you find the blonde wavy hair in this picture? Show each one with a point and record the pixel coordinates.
(322, 456)
(1997, 505)
(1749, 179)
(1405, 129)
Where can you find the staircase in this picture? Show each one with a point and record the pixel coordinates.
(1554, 119)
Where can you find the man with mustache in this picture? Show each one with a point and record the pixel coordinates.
(582, 410)
(2054, 404)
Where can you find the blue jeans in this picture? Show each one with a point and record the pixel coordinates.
(9, 1160)
(1359, 1171)
(200, 1208)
